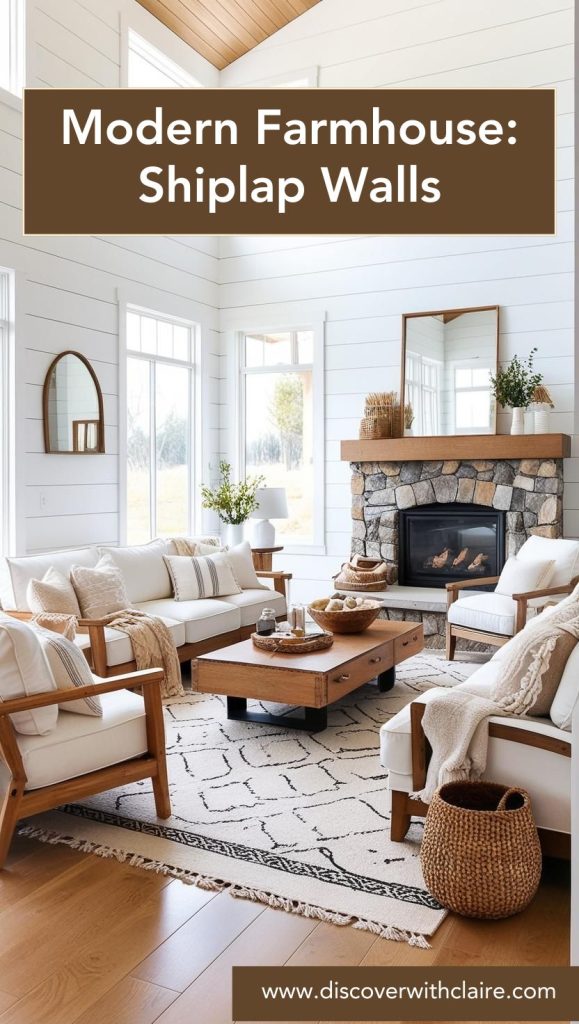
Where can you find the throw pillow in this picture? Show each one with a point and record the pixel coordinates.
(567, 695)
(530, 676)
(522, 575)
(144, 571)
(63, 624)
(194, 578)
(70, 669)
(53, 593)
(24, 671)
(240, 560)
(100, 591)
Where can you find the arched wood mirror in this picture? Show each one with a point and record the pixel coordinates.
(73, 407)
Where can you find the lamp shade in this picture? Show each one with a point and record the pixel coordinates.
(272, 503)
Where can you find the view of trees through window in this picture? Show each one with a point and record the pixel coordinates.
(159, 425)
(278, 402)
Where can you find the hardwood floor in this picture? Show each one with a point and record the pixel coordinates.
(89, 941)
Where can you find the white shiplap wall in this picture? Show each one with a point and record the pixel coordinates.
(364, 283)
(68, 288)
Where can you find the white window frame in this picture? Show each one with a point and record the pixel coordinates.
(469, 364)
(7, 407)
(11, 93)
(196, 444)
(134, 40)
(316, 326)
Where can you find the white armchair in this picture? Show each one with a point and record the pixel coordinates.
(82, 755)
(492, 618)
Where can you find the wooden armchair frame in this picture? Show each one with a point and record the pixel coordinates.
(453, 632)
(18, 804)
(96, 654)
(404, 806)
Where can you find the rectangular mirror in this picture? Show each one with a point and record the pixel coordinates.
(447, 358)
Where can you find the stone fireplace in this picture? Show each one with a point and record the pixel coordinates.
(521, 496)
(528, 491)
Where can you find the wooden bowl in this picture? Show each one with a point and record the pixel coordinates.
(350, 620)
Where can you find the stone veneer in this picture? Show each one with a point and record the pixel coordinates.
(528, 490)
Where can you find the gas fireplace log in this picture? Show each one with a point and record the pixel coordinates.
(478, 563)
(461, 558)
(439, 561)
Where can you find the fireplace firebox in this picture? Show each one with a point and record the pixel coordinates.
(445, 542)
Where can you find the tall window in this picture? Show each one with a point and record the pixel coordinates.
(12, 45)
(278, 372)
(150, 68)
(5, 331)
(160, 398)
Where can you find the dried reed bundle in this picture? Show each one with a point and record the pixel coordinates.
(541, 396)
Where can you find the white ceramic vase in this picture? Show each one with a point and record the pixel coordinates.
(233, 534)
(518, 421)
(542, 418)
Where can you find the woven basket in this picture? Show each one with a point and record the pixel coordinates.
(359, 578)
(291, 644)
(373, 428)
(480, 854)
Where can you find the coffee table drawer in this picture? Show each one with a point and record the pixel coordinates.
(408, 644)
(360, 670)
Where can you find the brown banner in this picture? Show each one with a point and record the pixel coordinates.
(206, 161)
(406, 993)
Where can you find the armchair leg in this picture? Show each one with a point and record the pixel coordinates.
(450, 643)
(156, 745)
(9, 816)
(400, 819)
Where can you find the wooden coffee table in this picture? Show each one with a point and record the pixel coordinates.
(312, 681)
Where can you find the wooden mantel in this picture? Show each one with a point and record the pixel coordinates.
(463, 446)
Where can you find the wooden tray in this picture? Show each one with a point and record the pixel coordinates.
(292, 645)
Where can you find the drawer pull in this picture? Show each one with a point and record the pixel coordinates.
(374, 661)
(406, 642)
(342, 679)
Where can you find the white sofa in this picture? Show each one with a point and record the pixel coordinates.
(196, 626)
(531, 752)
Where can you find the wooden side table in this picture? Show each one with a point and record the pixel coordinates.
(263, 558)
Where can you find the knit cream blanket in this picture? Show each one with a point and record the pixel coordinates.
(455, 723)
(152, 645)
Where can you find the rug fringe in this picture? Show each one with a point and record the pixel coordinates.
(218, 885)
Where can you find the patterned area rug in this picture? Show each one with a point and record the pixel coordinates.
(297, 821)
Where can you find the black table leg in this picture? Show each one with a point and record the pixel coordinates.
(386, 680)
(313, 719)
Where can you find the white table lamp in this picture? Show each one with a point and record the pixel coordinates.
(272, 505)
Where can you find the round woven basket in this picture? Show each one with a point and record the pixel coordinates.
(350, 620)
(292, 645)
(480, 854)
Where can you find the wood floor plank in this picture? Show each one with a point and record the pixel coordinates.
(270, 939)
(92, 968)
(31, 866)
(328, 945)
(6, 1000)
(131, 1001)
(185, 955)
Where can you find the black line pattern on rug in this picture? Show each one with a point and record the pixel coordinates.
(346, 879)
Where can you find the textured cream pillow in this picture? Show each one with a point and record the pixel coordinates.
(195, 578)
(240, 560)
(70, 670)
(53, 593)
(520, 575)
(100, 591)
(530, 676)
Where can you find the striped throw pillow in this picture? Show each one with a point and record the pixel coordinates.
(70, 669)
(197, 577)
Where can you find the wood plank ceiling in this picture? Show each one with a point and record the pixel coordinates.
(223, 30)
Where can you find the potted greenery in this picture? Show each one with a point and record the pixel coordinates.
(233, 503)
(514, 386)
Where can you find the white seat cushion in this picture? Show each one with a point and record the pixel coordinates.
(81, 744)
(201, 619)
(251, 603)
(492, 613)
(119, 648)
